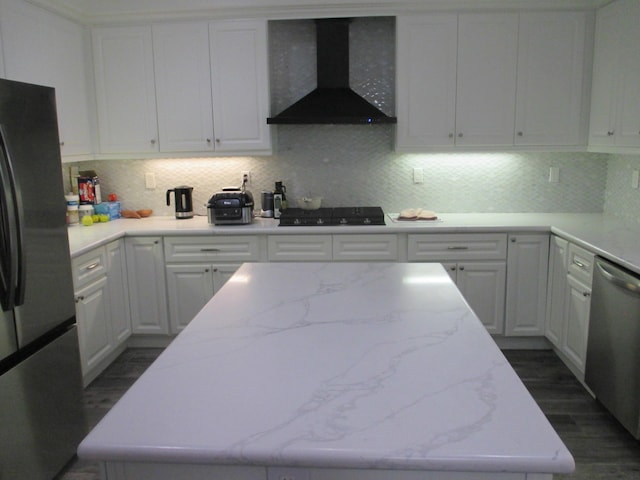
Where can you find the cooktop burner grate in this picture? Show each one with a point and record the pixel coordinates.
(332, 216)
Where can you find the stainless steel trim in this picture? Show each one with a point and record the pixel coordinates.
(620, 279)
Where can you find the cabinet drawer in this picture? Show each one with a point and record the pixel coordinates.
(206, 249)
(365, 247)
(300, 248)
(437, 247)
(580, 264)
(88, 267)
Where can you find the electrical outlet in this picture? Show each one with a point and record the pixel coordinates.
(245, 177)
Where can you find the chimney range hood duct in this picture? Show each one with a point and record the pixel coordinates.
(333, 101)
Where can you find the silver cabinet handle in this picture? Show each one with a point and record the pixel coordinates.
(92, 266)
(458, 248)
(610, 133)
(579, 264)
(153, 141)
(586, 294)
(209, 249)
(460, 135)
(520, 134)
(451, 135)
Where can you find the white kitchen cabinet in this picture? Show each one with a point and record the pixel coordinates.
(486, 81)
(527, 271)
(556, 290)
(300, 248)
(426, 65)
(197, 267)
(368, 248)
(482, 285)
(239, 74)
(456, 79)
(125, 89)
(615, 97)
(102, 306)
(147, 285)
(183, 87)
(118, 289)
(578, 306)
(569, 302)
(551, 78)
(476, 262)
(43, 48)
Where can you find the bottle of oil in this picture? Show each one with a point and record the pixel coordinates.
(279, 199)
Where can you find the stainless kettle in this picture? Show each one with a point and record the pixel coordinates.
(183, 201)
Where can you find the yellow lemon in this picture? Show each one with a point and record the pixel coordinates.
(104, 217)
(87, 220)
(95, 218)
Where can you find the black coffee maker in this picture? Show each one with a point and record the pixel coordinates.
(183, 201)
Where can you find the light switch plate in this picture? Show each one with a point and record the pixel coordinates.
(418, 175)
(150, 180)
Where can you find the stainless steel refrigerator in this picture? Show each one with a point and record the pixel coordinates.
(41, 410)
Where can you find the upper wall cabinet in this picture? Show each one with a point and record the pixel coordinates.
(154, 88)
(478, 80)
(125, 90)
(551, 108)
(43, 48)
(615, 102)
(239, 74)
(183, 87)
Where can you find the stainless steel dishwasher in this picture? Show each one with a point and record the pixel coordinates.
(612, 370)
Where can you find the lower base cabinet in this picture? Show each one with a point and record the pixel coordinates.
(147, 285)
(482, 284)
(190, 287)
(569, 305)
(527, 271)
(102, 306)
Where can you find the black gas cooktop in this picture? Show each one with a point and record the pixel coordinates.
(332, 216)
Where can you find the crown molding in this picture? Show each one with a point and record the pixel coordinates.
(101, 12)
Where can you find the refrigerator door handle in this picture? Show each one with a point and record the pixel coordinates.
(12, 278)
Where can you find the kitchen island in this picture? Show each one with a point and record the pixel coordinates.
(317, 371)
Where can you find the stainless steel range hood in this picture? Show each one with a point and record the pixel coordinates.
(333, 101)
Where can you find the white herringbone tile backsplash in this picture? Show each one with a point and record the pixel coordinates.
(356, 165)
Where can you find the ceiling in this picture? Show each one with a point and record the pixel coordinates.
(127, 11)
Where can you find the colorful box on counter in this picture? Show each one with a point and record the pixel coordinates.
(109, 208)
(89, 188)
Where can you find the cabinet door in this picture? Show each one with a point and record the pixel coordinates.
(427, 53)
(482, 284)
(190, 287)
(43, 48)
(604, 90)
(94, 332)
(365, 247)
(147, 290)
(527, 270)
(125, 90)
(628, 128)
(118, 292)
(222, 273)
(556, 288)
(487, 63)
(183, 87)
(578, 306)
(240, 85)
(550, 78)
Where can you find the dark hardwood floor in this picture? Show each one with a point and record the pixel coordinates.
(603, 450)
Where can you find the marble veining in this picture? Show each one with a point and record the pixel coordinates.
(338, 365)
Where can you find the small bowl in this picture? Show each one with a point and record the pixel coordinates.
(309, 203)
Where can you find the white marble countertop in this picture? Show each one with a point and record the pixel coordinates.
(333, 365)
(605, 235)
